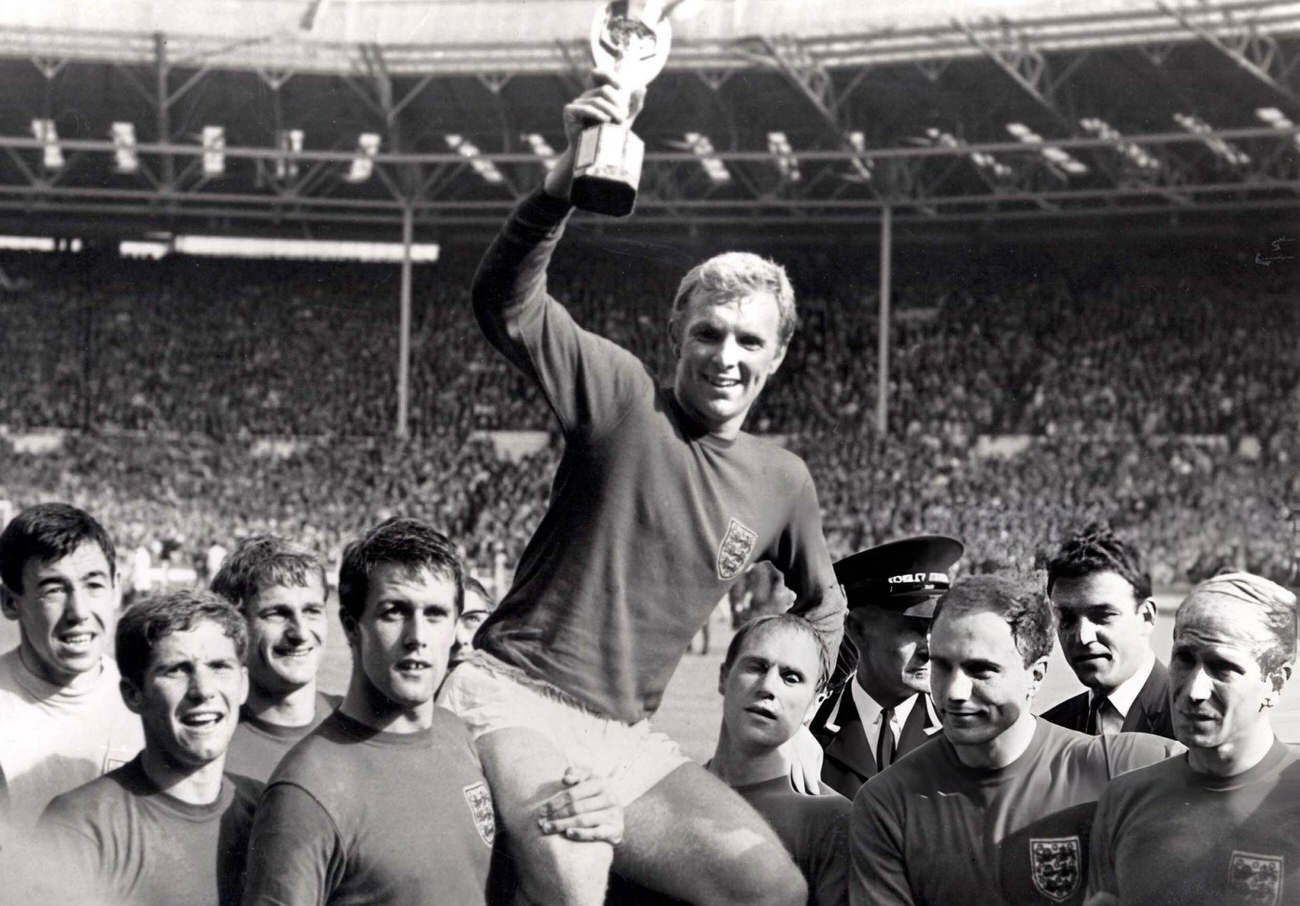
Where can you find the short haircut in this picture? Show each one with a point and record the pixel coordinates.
(259, 562)
(1018, 603)
(148, 620)
(474, 586)
(49, 531)
(1097, 549)
(771, 622)
(1274, 609)
(732, 275)
(409, 543)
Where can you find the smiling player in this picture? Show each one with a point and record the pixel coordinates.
(62, 720)
(659, 504)
(997, 808)
(169, 826)
(281, 591)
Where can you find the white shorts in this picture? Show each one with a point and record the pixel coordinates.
(489, 694)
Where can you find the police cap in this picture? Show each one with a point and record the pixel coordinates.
(905, 575)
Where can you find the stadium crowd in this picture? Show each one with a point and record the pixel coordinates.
(1151, 395)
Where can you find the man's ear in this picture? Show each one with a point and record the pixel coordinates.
(131, 696)
(8, 602)
(1280, 677)
(722, 679)
(349, 624)
(779, 357)
(1147, 614)
(1039, 670)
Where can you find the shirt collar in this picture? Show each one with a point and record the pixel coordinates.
(1126, 693)
(869, 710)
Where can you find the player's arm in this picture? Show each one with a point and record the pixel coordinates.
(66, 839)
(295, 857)
(586, 379)
(877, 868)
(805, 564)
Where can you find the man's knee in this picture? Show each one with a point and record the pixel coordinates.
(553, 870)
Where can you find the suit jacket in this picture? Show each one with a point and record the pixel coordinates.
(848, 757)
(1149, 714)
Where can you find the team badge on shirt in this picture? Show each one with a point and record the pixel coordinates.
(479, 801)
(737, 545)
(1055, 863)
(1254, 879)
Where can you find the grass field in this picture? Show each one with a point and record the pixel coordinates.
(692, 707)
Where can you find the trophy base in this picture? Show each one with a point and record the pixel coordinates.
(607, 169)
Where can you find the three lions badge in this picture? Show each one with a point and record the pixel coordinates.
(479, 801)
(1255, 879)
(737, 544)
(1056, 864)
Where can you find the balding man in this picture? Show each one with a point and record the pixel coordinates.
(1221, 825)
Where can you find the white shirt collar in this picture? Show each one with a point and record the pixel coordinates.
(1126, 693)
(869, 711)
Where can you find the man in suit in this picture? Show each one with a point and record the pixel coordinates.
(1101, 591)
(884, 711)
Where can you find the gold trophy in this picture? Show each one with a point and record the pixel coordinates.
(630, 39)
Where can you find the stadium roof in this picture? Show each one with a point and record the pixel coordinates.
(815, 113)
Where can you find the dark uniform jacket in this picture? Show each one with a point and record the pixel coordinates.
(849, 757)
(1149, 714)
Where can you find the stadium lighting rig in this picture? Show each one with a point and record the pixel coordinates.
(861, 166)
(984, 161)
(125, 157)
(363, 164)
(289, 141)
(1223, 149)
(1060, 160)
(1133, 152)
(778, 145)
(214, 150)
(483, 167)
(702, 147)
(44, 132)
(1278, 120)
(542, 148)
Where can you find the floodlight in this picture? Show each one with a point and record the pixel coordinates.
(44, 131)
(466, 148)
(363, 163)
(125, 157)
(214, 150)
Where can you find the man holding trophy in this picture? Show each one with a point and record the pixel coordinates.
(659, 503)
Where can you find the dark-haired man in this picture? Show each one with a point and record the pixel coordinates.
(169, 826)
(62, 720)
(478, 607)
(660, 502)
(1221, 825)
(998, 806)
(884, 711)
(1101, 590)
(280, 589)
(385, 802)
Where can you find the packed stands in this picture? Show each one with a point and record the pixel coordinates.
(1160, 392)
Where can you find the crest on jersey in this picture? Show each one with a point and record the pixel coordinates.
(1056, 864)
(1255, 879)
(479, 801)
(737, 544)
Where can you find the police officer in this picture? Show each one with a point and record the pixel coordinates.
(884, 711)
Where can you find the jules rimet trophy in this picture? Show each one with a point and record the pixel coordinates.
(629, 38)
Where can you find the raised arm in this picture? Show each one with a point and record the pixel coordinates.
(806, 566)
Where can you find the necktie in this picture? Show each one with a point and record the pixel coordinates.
(1092, 727)
(886, 744)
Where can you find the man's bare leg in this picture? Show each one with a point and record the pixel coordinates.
(524, 769)
(692, 837)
